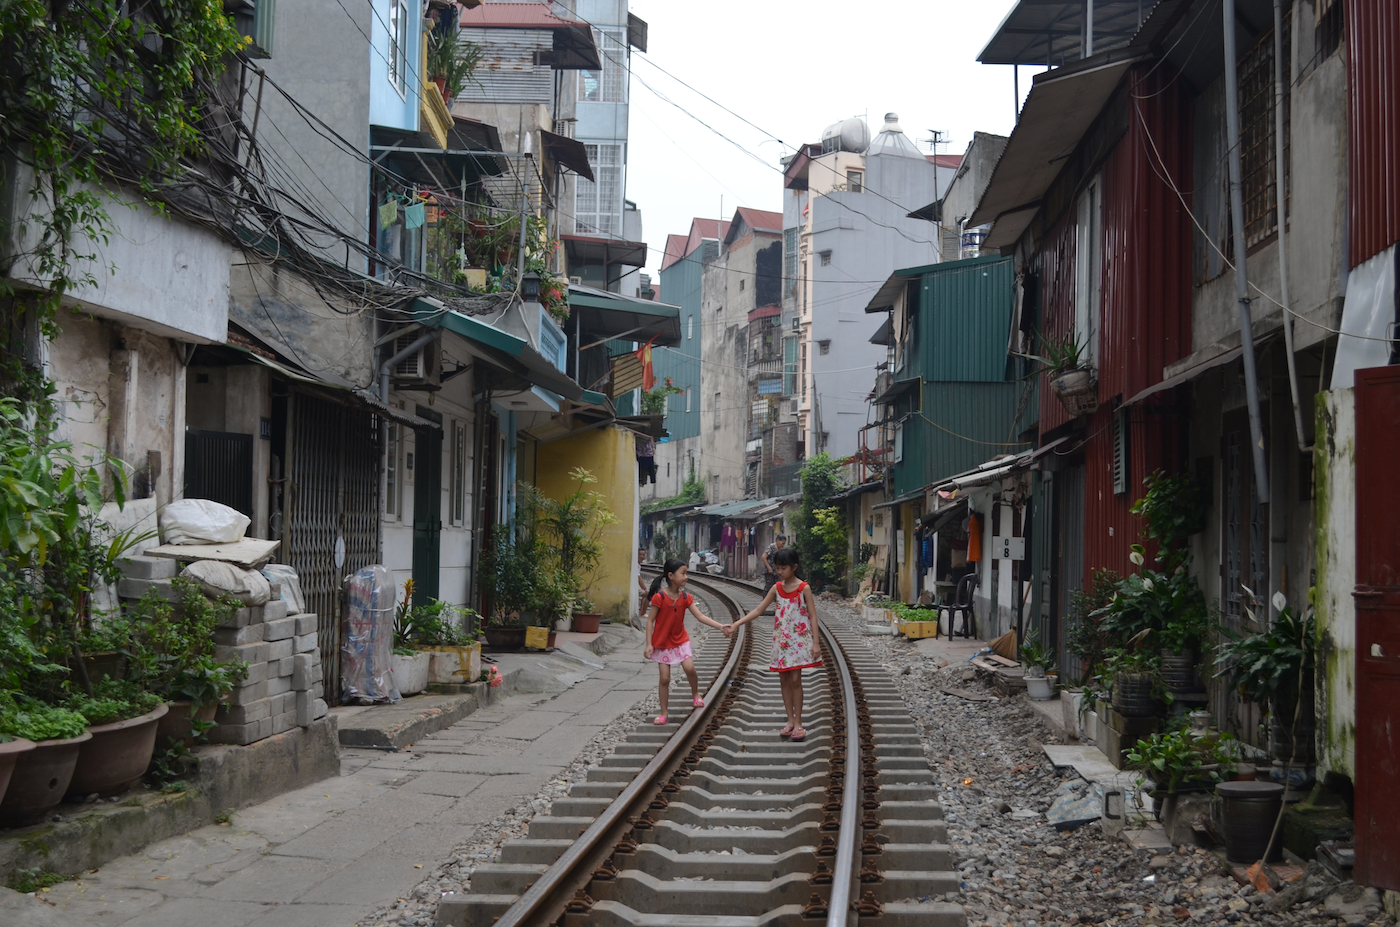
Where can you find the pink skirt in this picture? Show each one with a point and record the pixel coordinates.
(673, 656)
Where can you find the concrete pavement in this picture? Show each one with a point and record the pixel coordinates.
(330, 854)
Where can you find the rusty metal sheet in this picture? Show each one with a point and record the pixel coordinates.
(1373, 125)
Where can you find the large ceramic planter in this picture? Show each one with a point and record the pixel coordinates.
(587, 622)
(40, 780)
(499, 639)
(410, 672)
(1077, 390)
(1132, 695)
(1040, 688)
(454, 665)
(117, 756)
(10, 752)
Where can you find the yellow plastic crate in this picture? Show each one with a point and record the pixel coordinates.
(917, 629)
(537, 638)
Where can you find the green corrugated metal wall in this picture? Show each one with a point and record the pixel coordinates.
(960, 426)
(964, 319)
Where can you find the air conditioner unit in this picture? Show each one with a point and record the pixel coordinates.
(787, 411)
(420, 370)
(575, 281)
(796, 324)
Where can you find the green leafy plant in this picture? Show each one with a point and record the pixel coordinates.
(815, 541)
(654, 399)
(1034, 653)
(452, 60)
(1172, 509)
(437, 624)
(113, 701)
(33, 720)
(692, 493)
(1060, 353)
(1085, 636)
(1269, 665)
(26, 881)
(1177, 759)
(573, 527)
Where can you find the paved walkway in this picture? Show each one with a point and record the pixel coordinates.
(329, 854)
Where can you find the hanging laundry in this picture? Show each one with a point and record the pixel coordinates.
(414, 215)
(388, 213)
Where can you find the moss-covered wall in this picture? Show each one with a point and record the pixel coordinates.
(1334, 469)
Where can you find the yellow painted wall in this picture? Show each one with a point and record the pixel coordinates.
(610, 454)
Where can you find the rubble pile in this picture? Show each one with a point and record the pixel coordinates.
(1018, 871)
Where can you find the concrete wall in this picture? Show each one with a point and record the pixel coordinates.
(724, 418)
(324, 62)
(970, 179)
(609, 454)
(1335, 474)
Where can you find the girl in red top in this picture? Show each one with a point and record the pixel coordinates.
(667, 643)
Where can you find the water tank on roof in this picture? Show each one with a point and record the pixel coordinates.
(847, 135)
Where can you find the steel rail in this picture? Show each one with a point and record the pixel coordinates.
(843, 877)
(546, 899)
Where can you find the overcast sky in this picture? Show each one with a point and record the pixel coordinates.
(792, 69)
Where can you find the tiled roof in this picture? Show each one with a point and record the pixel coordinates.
(675, 250)
(507, 15)
(762, 219)
(948, 160)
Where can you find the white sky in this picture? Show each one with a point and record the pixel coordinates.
(792, 69)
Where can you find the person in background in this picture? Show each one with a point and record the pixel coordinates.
(770, 573)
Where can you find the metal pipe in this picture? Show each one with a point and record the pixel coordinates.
(1088, 28)
(1251, 376)
(1280, 197)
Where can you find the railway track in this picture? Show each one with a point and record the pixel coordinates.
(713, 819)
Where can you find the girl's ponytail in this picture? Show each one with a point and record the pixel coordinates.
(667, 569)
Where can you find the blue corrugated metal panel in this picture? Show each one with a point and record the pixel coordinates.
(964, 320)
(959, 426)
(680, 286)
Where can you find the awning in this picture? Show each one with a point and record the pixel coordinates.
(744, 509)
(1195, 370)
(933, 212)
(473, 151)
(590, 249)
(510, 354)
(946, 514)
(1046, 32)
(884, 335)
(883, 300)
(898, 388)
(604, 316)
(1060, 108)
(899, 500)
(568, 152)
(994, 471)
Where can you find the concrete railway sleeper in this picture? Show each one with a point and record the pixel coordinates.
(713, 819)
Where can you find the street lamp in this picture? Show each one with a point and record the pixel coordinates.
(530, 287)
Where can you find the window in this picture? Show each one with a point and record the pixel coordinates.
(689, 327)
(598, 202)
(1257, 144)
(855, 181)
(805, 288)
(610, 84)
(790, 261)
(400, 37)
(715, 410)
(825, 256)
(742, 281)
(824, 346)
(1086, 274)
(687, 398)
(393, 471)
(459, 473)
(899, 442)
(789, 366)
(1121, 452)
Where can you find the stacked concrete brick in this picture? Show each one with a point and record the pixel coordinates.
(283, 686)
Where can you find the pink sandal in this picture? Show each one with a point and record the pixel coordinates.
(660, 719)
(798, 734)
(698, 702)
(786, 731)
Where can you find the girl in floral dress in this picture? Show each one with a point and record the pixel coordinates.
(794, 635)
(667, 642)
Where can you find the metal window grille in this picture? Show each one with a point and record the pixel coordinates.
(219, 466)
(459, 473)
(1121, 452)
(790, 261)
(393, 474)
(598, 203)
(1258, 171)
(398, 45)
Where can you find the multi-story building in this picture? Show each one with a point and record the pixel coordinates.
(846, 228)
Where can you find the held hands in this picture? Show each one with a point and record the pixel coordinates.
(728, 630)
(647, 652)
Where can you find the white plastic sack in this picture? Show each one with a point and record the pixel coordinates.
(217, 577)
(291, 586)
(201, 521)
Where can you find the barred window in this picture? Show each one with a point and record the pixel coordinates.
(598, 202)
(608, 85)
(1258, 171)
(790, 261)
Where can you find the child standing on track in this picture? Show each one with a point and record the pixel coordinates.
(794, 635)
(667, 642)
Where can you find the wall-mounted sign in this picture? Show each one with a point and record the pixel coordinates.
(1008, 548)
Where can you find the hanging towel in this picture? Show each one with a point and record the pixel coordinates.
(414, 215)
(388, 213)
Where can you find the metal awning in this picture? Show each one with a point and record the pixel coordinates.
(591, 249)
(567, 152)
(899, 500)
(884, 335)
(1049, 33)
(1195, 370)
(898, 388)
(998, 469)
(473, 151)
(513, 356)
(1059, 110)
(883, 300)
(947, 514)
(603, 316)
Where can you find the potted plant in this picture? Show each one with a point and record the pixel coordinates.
(1178, 761)
(41, 776)
(122, 720)
(1074, 381)
(451, 62)
(1037, 658)
(574, 525)
(1275, 668)
(408, 665)
(511, 575)
(1136, 681)
(447, 635)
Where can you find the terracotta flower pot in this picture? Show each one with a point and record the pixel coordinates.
(40, 780)
(586, 622)
(176, 726)
(117, 756)
(10, 752)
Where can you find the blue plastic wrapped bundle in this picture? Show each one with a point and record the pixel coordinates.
(367, 637)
